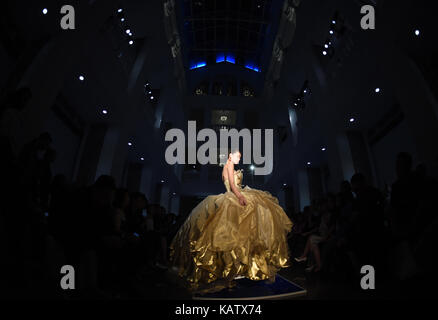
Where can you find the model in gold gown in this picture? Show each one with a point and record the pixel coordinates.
(239, 233)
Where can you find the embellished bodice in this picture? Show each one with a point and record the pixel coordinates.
(238, 177)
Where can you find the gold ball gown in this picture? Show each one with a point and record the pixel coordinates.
(221, 239)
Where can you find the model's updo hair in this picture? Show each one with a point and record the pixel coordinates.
(233, 151)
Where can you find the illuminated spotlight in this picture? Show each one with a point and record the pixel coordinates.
(334, 21)
(330, 43)
(104, 111)
(417, 32)
(150, 92)
(377, 90)
(45, 11)
(284, 184)
(309, 163)
(198, 65)
(129, 144)
(324, 52)
(120, 10)
(305, 90)
(352, 119)
(220, 58)
(230, 59)
(252, 167)
(323, 149)
(81, 78)
(253, 68)
(128, 31)
(162, 181)
(122, 19)
(331, 31)
(130, 34)
(174, 194)
(326, 46)
(142, 159)
(152, 97)
(131, 42)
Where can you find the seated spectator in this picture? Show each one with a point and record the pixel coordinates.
(367, 221)
(135, 221)
(405, 195)
(30, 161)
(425, 213)
(298, 236)
(323, 234)
(121, 205)
(161, 230)
(344, 204)
(135, 231)
(172, 226)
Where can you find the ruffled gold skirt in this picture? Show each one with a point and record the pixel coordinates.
(221, 240)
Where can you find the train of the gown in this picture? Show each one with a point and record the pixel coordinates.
(222, 239)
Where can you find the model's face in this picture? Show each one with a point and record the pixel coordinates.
(235, 157)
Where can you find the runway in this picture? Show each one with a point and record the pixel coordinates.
(246, 289)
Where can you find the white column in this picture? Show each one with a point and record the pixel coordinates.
(108, 152)
(174, 204)
(345, 156)
(164, 201)
(146, 182)
(281, 198)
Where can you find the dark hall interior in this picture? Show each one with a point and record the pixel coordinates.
(90, 91)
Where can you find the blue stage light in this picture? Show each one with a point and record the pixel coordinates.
(253, 68)
(230, 59)
(220, 58)
(198, 65)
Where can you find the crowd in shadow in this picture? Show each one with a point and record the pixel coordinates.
(109, 235)
(113, 238)
(393, 230)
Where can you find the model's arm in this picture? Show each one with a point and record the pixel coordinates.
(230, 174)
